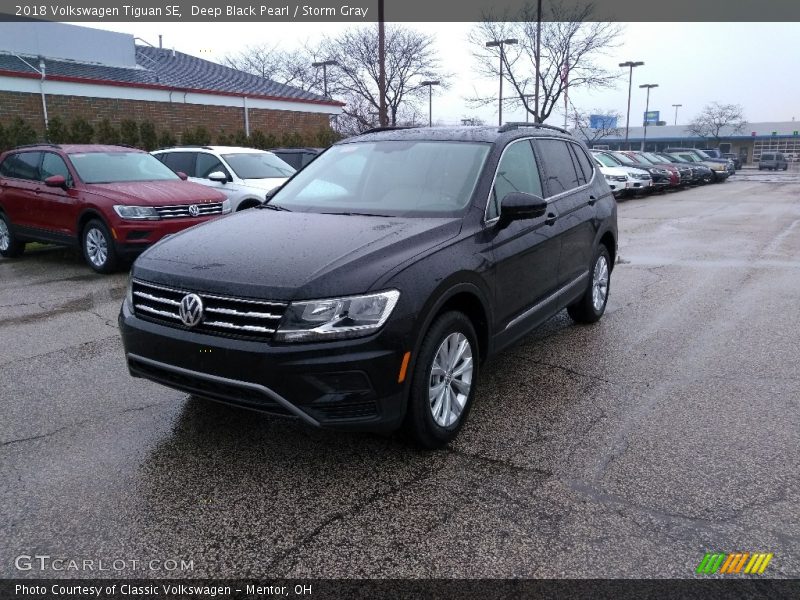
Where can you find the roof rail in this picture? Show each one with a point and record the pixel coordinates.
(518, 125)
(50, 145)
(387, 128)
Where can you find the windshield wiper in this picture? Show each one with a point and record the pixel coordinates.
(273, 207)
(355, 214)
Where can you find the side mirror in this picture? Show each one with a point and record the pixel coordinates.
(56, 181)
(182, 175)
(520, 205)
(218, 176)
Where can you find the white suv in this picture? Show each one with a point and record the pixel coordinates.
(244, 175)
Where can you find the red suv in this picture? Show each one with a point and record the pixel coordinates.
(113, 201)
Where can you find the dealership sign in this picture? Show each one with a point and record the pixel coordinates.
(651, 117)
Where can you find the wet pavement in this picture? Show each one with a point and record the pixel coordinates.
(624, 449)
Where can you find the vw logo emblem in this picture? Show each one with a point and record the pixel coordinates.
(194, 211)
(191, 310)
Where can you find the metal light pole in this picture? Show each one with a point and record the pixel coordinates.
(382, 117)
(324, 64)
(500, 44)
(527, 113)
(630, 64)
(538, 60)
(649, 86)
(676, 112)
(430, 85)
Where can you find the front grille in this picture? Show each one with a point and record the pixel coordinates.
(222, 315)
(184, 210)
(207, 388)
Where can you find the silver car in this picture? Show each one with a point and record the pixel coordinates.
(244, 175)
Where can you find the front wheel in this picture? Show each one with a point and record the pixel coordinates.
(444, 381)
(10, 246)
(98, 247)
(591, 306)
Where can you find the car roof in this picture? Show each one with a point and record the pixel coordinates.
(217, 149)
(78, 148)
(504, 134)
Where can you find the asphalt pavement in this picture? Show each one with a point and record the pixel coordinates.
(628, 448)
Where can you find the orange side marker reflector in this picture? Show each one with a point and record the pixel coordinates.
(114, 233)
(404, 367)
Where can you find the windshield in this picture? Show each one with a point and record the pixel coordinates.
(606, 160)
(653, 158)
(258, 165)
(702, 154)
(689, 157)
(392, 178)
(625, 159)
(118, 167)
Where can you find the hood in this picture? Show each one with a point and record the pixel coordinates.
(156, 193)
(619, 171)
(290, 255)
(265, 184)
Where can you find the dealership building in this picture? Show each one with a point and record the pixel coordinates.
(52, 70)
(749, 143)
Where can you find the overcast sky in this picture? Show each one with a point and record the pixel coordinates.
(752, 64)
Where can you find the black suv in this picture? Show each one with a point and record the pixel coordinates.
(370, 290)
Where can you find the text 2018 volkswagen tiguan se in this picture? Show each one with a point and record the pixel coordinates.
(371, 288)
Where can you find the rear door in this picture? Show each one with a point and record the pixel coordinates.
(525, 251)
(569, 174)
(20, 187)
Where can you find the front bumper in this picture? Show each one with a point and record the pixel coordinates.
(348, 384)
(131, 238)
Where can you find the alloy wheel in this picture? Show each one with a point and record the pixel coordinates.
(600, 283)
(5, 236)
(96, 247)
(450, 379)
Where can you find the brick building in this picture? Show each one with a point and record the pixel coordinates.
(52, 70)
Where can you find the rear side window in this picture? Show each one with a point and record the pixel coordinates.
(53, 164)
(181, 161)
(517, 172)
(561, 173)
(23, 165)
(767, 157)
(583, 162)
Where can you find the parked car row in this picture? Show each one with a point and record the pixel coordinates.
(632, 172)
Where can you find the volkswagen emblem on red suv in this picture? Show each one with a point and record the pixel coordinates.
(191, 310)
(194, 211)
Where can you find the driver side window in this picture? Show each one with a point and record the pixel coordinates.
(517, 172)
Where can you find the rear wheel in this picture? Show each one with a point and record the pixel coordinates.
(444, 381)
(10, 246)
(98, 247)
(591, 306)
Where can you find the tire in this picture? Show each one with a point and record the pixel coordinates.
(98, 247)
(10, 246)
(246, 204)
(591, 306)
(428, 422)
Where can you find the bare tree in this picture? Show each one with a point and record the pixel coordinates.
(714, 118)
(410, 59)
(290, 67)
(605, 127)
(570, 45)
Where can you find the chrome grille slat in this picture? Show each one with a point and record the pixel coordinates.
(225, 325)
(182, 210)
(224, 315)
(237, 313)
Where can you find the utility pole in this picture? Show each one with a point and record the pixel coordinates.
(430, 85)
(630, 64)
(382, 117)
(536, 118)
(676, 112)
(324, 64)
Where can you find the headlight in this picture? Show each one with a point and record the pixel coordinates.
(336, 318)
(610, 177)
(137, 212)
(226, 206)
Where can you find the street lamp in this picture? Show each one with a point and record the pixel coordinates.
(527, 112)
(500, 44)
(649, 86)
(324, 64)
(630, 64)
(676, 112)
(430, 85)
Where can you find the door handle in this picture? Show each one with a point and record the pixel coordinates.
(551, 219)
(592, 200)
